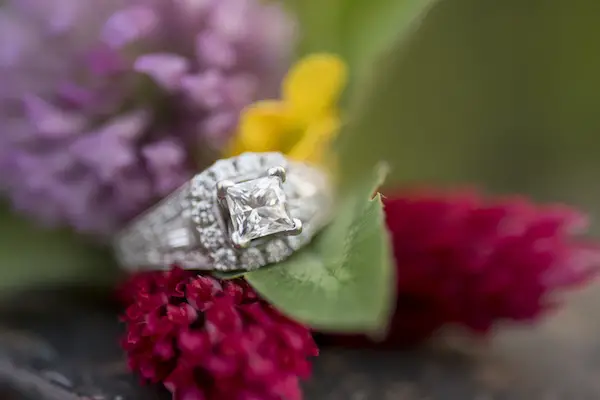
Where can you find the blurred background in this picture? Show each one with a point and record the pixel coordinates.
(503, 95)
(500, 94)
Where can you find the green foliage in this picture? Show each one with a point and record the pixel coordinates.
(344, 280)
(30, 256)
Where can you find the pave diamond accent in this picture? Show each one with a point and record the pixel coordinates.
(253, 258)
(223, 169)
(212, 238)
(257, 208)
(203, 218)
(224, 259)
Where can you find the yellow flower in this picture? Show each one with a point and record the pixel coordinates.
(305, 121)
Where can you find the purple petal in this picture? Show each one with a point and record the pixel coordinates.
(133, 189)
(230, 18)
(193, 7)
(105, 154)
(164, 154)
(165, 160)
(275, 32)
(76, 95)
(104, 60)
(64, 15)
(56, 15)
(215, 51)
(219, 127)
(128, 126)
(17, 131)
(164, 68)
(129, 25)
(31, 169)
(111, 149)
(205, 89)
(15, 40)
(50, 121)
(241, 89)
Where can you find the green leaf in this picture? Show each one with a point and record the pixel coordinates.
(344, 280)
(227, 275)
(34, 257)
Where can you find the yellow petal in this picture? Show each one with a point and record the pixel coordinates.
(260, 128)
(316, 141)
(313, 86)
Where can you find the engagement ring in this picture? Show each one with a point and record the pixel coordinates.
(239, 214)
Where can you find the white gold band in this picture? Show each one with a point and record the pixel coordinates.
(200, 226)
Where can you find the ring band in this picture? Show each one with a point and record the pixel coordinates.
(239, 214)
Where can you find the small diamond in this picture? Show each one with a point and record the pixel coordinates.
(257, 208)
(202, 205)
(223, 169)
(202, 212)
(203, 218)
(201, 186)
(252, 258)
(201, 192)
(224, 259)
(277, 251)
(211, 238)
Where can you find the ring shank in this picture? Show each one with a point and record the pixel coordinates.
(187, 229)
(162, 236)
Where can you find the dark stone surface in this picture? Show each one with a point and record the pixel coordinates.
(64, 345)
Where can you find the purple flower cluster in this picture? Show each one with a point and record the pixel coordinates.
(106, 106)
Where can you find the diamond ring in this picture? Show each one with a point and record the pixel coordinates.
(239, 214)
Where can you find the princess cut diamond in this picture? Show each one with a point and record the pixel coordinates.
(258, 208)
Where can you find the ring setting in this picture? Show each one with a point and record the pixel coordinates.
(257, 208)
(241, 213)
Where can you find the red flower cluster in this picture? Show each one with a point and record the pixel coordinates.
(207, 339)
(463, 260)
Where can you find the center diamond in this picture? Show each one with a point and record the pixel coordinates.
(257, 208)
